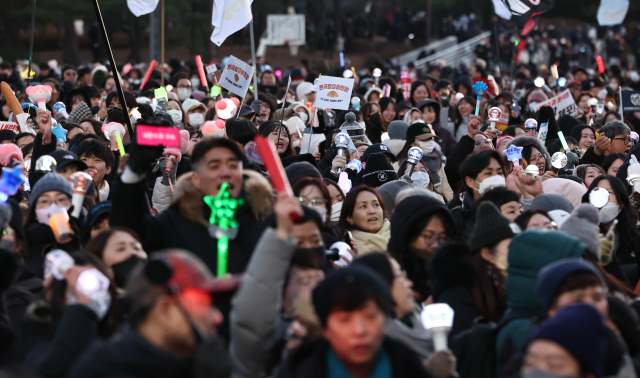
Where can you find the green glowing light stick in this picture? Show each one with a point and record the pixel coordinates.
(223, 210)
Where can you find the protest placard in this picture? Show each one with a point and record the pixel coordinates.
(562, 104)
(10, 126)
(630, 101)
(236, 76)
(334, 93)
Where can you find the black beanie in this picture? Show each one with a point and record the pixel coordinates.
(378, 262)
(378, 171)
(490, 228)
(343, 285)
(566, 123)
(9, 135)
(301, 169)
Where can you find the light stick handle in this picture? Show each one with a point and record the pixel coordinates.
(76, 200)
(478, 106)
(119, 141)
(563, 141)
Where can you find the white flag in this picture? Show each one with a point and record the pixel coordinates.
(612, 12)
(142, 7)
(228, 17)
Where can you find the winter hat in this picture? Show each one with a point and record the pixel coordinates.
(80, 113)
(549, 202)
(198, 95)
(50, 181)
(378, 171)
(568, 189)
(389, 191)
(302, 90)
(580, 330)
(490, 228)
(355, 131)
(9, 152)
(295, 125)
(296, 74)
(442, 84)
(92, 218)
(350, 282)
(505, 138)
(379, 263)
(576, 132)
(184, 141)
(398, 130)
(190, 103)
(552, 276)
(583, 224)
(404, 105)
(301, 169)
(378, 148)
(529, 252)
(9, 135)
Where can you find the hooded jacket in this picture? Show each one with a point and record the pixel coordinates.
(407, 213)
(444, 137)
(529, 252)
(185, 224)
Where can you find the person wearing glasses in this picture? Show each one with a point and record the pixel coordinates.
(481, 143)
(313, 193)
(419, 225)
(614, 138)
(535, 153)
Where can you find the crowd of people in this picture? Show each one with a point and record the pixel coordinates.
(184, 261)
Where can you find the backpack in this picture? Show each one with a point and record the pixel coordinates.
(475, 348)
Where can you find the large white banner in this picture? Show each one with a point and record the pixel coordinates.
(236, 76)
(142, 7)
(334, 93)
(562, 104)
(228, 17)
(612, 12)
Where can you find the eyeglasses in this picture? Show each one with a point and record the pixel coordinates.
(486, 142)
(535, 159)
(429, 241)
(626, 140)
(320, 202)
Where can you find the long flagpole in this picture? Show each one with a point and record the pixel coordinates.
(255, 63)
(621, 106)
(33, 30)
(114, 68)
(162, 43)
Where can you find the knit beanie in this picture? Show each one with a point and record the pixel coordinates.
(580, 330)
(397, 130)
(552, 276)
(346, 284)
(379, 263)
(301, 169)
(548, 202)
(49, 182)
(378, 171)
(490, 228)
(389, 191)
(583, 224)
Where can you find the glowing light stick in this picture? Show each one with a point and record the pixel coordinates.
(148, 75)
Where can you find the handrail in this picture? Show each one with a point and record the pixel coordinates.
(456, 52)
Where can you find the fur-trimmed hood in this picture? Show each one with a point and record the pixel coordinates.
(525, 141)
(256, 190)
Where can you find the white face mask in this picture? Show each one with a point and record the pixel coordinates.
(184, 93)
(490, 183)
(322, 211)
(296, 143)
(304, 117)
(195, 82)
(609, 212)
(44, 214)
(336, 209)
(427, 146)
(420, 179)
(196, 119)
(176, 115)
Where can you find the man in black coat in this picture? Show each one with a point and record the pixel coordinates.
(186, 223)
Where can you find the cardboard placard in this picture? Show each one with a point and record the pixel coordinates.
(236, 76)
(334, 93)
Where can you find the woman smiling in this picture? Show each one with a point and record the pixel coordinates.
(363, 215)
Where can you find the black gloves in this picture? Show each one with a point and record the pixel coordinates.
(142, 157)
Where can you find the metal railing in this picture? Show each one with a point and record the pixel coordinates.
(412, 56)
(454, 55)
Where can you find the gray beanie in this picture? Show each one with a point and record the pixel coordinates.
(550, 202)
(583, 225)
(389, 191)
(50, 181)
(397, 130)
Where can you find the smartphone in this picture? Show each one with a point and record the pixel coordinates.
(515, 107)
(157, 136)
(600, 107)
(103, 100)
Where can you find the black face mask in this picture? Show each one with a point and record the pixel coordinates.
(117, 115)
(375, 120)
(122, 270)
(3, 77)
